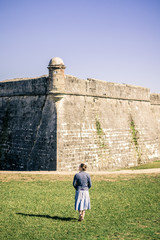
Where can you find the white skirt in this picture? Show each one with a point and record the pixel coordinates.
(82, 200)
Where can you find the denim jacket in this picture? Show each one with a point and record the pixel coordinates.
(82, 181)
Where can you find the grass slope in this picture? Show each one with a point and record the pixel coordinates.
(155, 164)
(42, 208)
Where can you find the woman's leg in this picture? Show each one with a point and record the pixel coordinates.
(83, 214)
(80, 215)
(80, 212)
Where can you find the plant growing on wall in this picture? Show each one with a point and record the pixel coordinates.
(104, 154)
(100, 134)
(135, 137)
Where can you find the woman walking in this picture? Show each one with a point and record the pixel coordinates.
(82, 184)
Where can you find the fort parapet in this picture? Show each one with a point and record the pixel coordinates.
(56, 121)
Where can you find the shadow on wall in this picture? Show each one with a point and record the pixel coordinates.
(28, 133)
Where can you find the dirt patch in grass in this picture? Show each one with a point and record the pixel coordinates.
(37, 177)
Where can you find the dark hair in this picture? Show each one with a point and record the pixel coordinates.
(83, 166)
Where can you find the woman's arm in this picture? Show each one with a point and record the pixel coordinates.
(89, 182)
(75, 181)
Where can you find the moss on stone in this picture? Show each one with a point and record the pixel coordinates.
(100, 134)
(135, 137)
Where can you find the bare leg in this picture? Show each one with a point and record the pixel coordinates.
(80, 215)
(83, 214)
(80, 212)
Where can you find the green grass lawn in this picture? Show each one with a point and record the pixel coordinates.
(41, 207)
(155, 164)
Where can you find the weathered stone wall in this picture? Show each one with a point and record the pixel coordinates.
(28, 133)
(102, 89)
(155, 107)
(23, 87)
(116, 129)
(57, 122)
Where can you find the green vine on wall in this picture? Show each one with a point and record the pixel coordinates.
(100, 134)
(135, 137)
(134, 133)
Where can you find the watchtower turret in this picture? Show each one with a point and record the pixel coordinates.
(56, 75)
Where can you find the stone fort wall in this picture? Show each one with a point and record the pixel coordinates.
(56, 122)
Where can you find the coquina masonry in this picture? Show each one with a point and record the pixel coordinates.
(57, 121)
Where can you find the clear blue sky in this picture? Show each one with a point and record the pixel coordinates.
(111, 40)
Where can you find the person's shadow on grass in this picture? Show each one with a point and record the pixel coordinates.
(48, 216)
